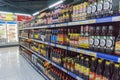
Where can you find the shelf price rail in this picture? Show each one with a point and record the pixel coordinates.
(82, 51)
(83, 22)
(60, 67)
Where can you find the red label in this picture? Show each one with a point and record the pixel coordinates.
(92, 76)
(104, 78)
(98, 77)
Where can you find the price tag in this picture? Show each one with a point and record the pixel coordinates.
(52, 44)
(64, 47)
(52, 25)
(57, 25)
(71, 23)
(78, 50)
(45, 42)
(77, 23)
(117, 18)
(64, 24)
(73, 49)
(78, 78)
(82, 51)
(119, 60)
(92, 54)
(58, 46)
(64, 70)
(92, 21)
(82, 22)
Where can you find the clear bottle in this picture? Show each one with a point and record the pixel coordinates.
(110, 40)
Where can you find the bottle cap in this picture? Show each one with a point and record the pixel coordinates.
(100, 60)
(87, 59)
(93, 59)
(82, 57)
(116, 65)
(107, 62)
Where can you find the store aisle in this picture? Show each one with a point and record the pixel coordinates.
(14, 67)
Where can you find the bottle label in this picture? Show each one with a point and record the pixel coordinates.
(91, 40)
(102, 41)
(96, 41)
(76, 66)
(76, 43)
(92, 76)
(104, 78)
(99, 7)
(117, 47)
(82, 69)
(86, 42)
(94, 8)
(87, 71)
(98, 77)
(80, 41)
(110, 41)
(89, 9)
(106, 5)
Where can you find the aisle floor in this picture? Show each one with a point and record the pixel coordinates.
(14, 67)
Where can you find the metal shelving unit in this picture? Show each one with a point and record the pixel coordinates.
(56, 65)
(83, 22)
(83, 51)
(110, 57)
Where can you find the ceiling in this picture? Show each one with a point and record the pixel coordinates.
(24, 6)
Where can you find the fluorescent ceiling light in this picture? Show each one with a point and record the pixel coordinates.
(22, 14)
(59, 2)
(6, 12)
(36, 13)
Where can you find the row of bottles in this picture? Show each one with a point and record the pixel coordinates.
(56, 74)
(80, 11)
(89, 68)
(99, 38)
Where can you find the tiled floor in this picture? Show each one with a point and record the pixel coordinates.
(14, 67)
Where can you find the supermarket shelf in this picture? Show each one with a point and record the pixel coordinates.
(23, 37)
(83, 22)
(60, 67)
(83, 51)
(36, 68)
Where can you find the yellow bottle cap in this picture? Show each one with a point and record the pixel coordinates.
(87, 59)
(93, 59)
(117, 65)
(100, 60)
(107, 62)
(82, 57)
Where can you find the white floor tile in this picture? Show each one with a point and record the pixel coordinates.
(14, 67)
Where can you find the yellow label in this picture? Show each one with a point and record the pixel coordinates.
(86, 42)
(76, 66)
(92, 21)
(87, 71)
(36, 36)
(82, 69)
(92, 54)
(117, 47)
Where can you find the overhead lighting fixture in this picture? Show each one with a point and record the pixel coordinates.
(36, 13)
(59, 2)
(6, 12)
(22, 14)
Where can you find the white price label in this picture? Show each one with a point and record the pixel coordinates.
(73, 49)
(64, 70)
(119, 60)
(117, 18)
